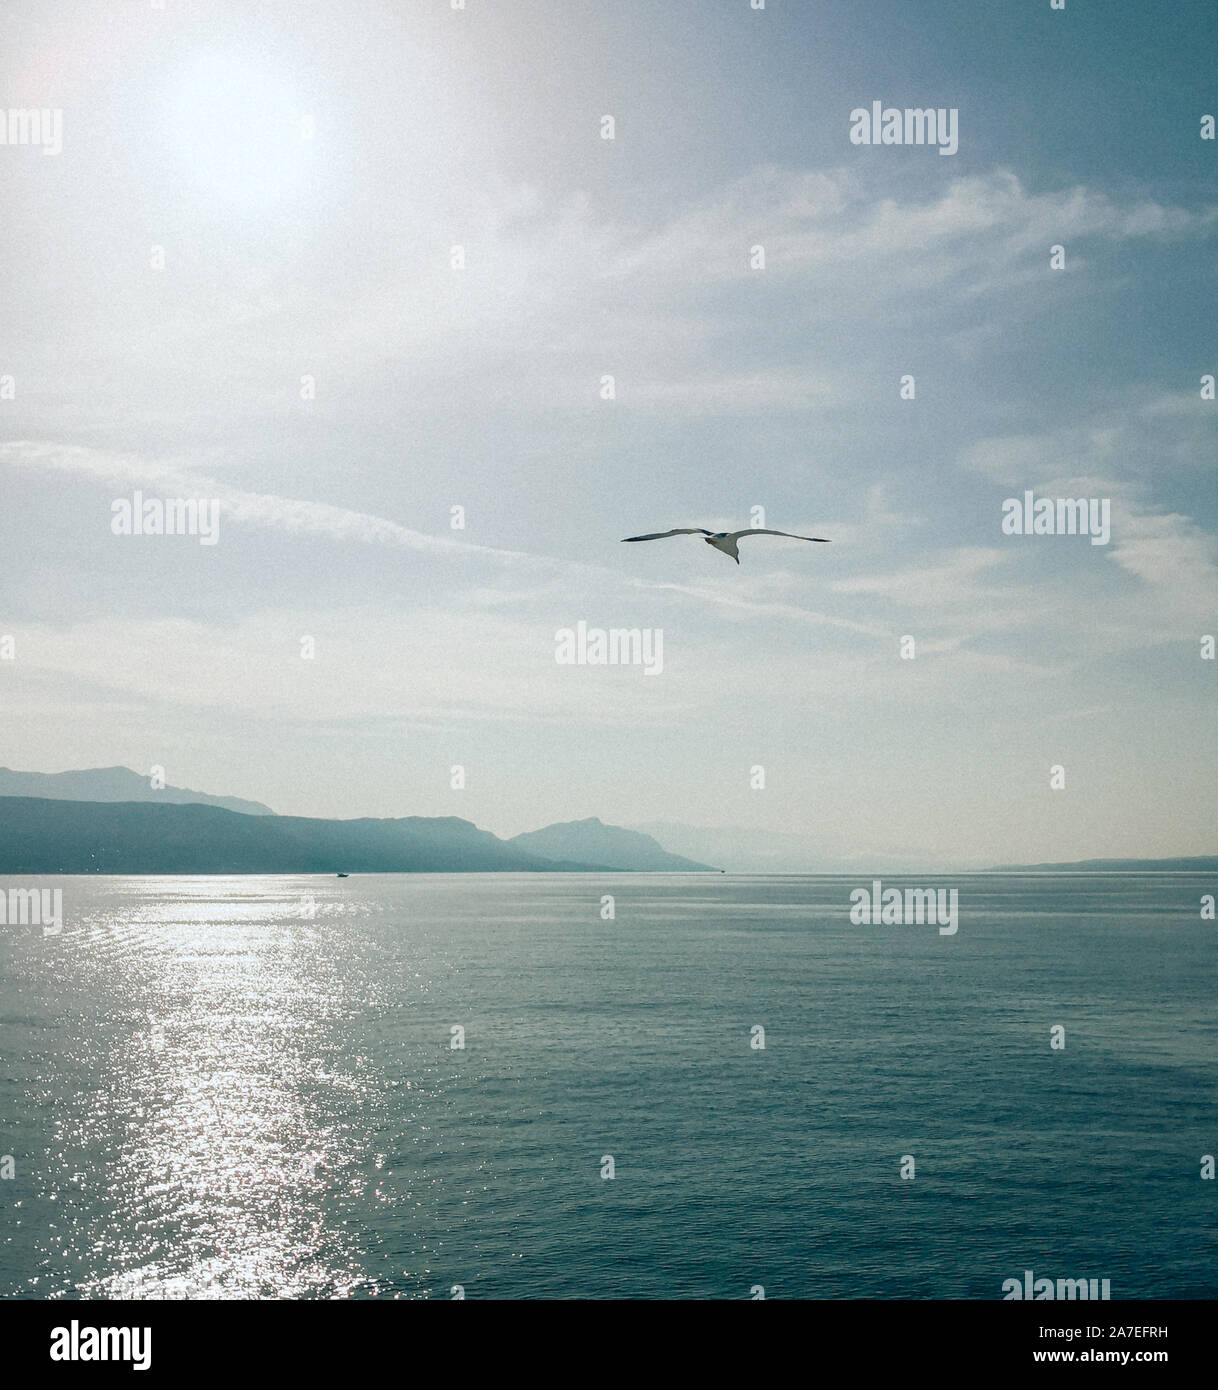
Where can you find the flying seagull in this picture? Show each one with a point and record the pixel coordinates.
(723, 540)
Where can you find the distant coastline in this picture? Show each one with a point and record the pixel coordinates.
(1202, 863)
(116, 821)
(49, 835)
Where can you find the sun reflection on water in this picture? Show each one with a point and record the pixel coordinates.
(230, 1130)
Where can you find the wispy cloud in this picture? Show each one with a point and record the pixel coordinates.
(292, 515)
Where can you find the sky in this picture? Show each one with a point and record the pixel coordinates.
(236, 281)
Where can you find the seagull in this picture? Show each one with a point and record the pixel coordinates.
(723, 540)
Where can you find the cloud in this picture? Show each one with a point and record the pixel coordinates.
(948, 582)
(438, 666)
(1169, 430)
(1171, 555)
(833, 229)
(556, 292)
(266, 511)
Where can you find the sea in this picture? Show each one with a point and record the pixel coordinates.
(606, 1086)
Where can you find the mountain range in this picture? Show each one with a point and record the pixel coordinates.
(109, 820)
(1199, 863)
(114, 784)
(603, 844)
(745, 850)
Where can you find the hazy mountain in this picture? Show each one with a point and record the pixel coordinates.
(745, 851)
(1202, 863)
(608, 846)
(114, 784)
(738, 851)
(41, 835)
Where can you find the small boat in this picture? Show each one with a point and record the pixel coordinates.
(342, 875)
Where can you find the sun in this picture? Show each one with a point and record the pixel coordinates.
(238, 129)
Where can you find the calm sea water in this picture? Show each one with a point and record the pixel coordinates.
(208, 1093)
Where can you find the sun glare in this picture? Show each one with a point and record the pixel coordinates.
(238, 129)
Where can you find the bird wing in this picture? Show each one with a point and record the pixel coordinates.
(662, 535)
(765, 531)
